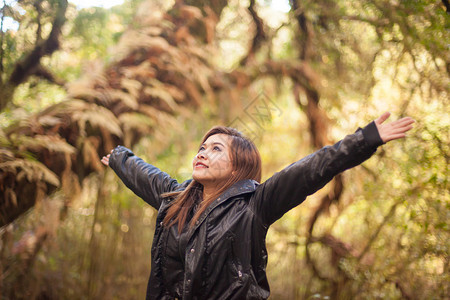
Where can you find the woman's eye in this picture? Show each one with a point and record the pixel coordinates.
(201, 149)
(217, 148)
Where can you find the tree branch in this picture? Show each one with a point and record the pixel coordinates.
(45, 73)
(385, 220)
(305, 28)
(377, 232)
(37, 6)
(27, 66)
(259, 36)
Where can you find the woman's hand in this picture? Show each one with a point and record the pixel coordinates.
(394, 130)
(105, 159)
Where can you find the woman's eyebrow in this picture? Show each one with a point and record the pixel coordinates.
(215, 143)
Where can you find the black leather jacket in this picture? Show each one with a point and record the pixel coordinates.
(226, 255)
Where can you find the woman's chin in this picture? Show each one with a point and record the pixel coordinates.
(204, 180)
(198, 177)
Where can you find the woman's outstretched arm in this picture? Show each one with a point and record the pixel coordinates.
(289, 187)
(145, 180)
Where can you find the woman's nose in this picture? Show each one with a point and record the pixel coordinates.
(201, 155)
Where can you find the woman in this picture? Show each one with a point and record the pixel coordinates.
(210, 233)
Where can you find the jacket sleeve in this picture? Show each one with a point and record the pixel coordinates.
(289, 187)
(145, 180)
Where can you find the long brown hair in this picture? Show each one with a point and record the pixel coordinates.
(246, 163)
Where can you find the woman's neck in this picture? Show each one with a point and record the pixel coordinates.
(209, 190)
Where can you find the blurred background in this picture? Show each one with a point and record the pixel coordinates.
(80, 77)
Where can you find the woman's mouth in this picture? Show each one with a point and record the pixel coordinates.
(200, 165)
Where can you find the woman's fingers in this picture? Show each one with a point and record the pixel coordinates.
(396, 133)
(403, 125)
(382, 118)
(400, 125)
(403, 122)
(105, 160)
(393, 130)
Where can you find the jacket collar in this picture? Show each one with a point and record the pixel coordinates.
(239, 188)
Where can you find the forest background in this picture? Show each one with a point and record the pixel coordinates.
(155, 75)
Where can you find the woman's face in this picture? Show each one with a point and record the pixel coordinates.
(212, 164)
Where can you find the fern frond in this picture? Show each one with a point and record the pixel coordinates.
(84, 92)
(6, 155)
(97, 116)
(48, 120)
(136, 40)
(4, 141)
(164, 120)
(163, 95)
(11, 197)
(133, 86)
(33, 171)
(142, 71)
(94, 75)
(126, 98)
(52, 143)
(136, 121)
(152, 31)
(90, 155)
